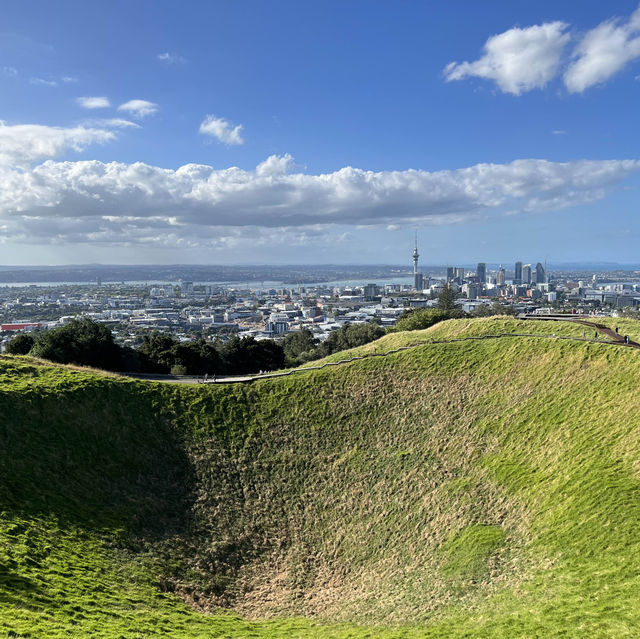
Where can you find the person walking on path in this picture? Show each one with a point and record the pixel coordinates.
(595, 334)
(626, 339)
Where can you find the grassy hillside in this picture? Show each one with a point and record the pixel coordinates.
(471, 489)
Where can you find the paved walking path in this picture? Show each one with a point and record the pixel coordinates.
(616, 340)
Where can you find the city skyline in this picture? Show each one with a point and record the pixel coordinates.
(319, 134)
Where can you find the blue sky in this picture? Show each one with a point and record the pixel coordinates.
(317, 132)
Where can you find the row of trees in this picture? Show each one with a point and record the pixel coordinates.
(85, 342)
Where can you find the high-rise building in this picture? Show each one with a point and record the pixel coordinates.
(459, 274)
(517, 278)
(541, 276)
(481, 272)
(451, 273)
(370, 291)
(500, 279)
(526, 274)
(472, 291)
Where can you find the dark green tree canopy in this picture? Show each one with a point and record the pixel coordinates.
(81, 341)
(447, 299)
(21, 344)
(299, 346)
(350, 336)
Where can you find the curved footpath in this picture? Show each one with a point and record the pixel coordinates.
(616, 340)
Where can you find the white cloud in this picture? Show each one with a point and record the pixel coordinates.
(43, 82)
(196, 205)
(96, 102)
(222, 130)
(276, 165)
(67, 79)
(603, 52)
(139, 108)
(170, 58)
(558, 132)
(518, 60)
(115, 123)
(23, 144)
(10, 71)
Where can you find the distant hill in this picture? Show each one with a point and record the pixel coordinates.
(485, 488)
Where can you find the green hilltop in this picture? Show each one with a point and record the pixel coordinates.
(477, 488)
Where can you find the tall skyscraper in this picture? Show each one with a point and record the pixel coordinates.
(451, 273)
(541, 276)
(459, 274)
(526, 274)
(517, 278)
(481, 272)
(500, 280)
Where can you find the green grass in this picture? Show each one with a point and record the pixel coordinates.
(470, 489)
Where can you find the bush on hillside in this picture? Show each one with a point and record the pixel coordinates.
(20, 345)
(349, 336)
(418, 319)
(81, 341)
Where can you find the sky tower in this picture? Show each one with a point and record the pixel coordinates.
(418, 281)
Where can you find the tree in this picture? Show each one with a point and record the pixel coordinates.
(496, 308)
(81, 341)
(484, 310)
(157, 352)
(447, 299)
(350, 336)
(299, 346)
(197, 358)
(247, 355)
(20, 345)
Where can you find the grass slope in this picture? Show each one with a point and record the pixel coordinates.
(472, 489)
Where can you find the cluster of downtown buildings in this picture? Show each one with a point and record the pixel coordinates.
(476, 284)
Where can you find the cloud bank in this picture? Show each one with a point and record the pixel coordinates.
(196, 205)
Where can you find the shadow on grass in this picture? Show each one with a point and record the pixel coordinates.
(16, 590)
(96, 453)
